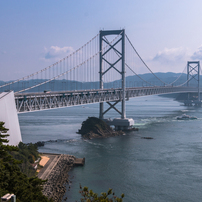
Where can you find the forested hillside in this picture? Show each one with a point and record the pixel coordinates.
(12, 179)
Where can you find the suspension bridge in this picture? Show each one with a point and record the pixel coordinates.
(106, 69)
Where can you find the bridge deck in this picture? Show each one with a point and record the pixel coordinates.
(26, 102)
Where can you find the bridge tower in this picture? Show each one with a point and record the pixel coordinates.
(122, 123)
(193, 73)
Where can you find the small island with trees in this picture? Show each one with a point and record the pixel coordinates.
(97, 128)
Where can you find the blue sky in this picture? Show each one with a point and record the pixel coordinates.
(166, 33)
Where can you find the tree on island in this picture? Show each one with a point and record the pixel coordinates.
(94, 127)
(90, 196)
(12, 180)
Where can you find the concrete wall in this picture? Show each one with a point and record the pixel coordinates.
(8, 114)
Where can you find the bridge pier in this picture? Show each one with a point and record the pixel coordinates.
(197, 103)
(121, 124)
(188, 102)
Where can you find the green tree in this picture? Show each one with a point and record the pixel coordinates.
(12, 180)
(28, 154)
(90, 196)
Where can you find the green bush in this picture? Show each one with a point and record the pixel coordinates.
(90, 196)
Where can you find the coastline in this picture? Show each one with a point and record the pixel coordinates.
(55, 171)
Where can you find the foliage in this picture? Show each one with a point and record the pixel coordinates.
(95, 125)
(90, 196)
(12, 180)
(28, 154)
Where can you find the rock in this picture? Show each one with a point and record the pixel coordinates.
(40, 143)
(96, 128)
(149, 138)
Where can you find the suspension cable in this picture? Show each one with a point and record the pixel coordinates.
(31, 75)
(185, 82)
(143, 61)
(151, 70)
(68, 71)
(138, 75)
(178, 77)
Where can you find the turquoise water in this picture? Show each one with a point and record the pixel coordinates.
(165, 168)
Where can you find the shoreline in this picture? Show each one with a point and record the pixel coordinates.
(55, 171)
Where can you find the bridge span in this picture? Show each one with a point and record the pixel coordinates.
(28, 102)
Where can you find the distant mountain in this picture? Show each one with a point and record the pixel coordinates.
(157, 79)
(131, 81)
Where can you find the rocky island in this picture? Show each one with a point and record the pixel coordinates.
(96, 128)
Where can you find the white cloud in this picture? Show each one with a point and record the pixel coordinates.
(172, 55)
(197, 55)
(170, 60)
(57, 52)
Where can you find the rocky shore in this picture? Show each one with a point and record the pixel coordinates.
(56, 174)
(96, 128)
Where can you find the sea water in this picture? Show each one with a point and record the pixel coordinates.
(165, 168)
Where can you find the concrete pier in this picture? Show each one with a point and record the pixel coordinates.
(79, 162)
(55, 171)
(121, 124)
(193, 103)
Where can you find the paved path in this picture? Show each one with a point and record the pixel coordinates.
(45, 171)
